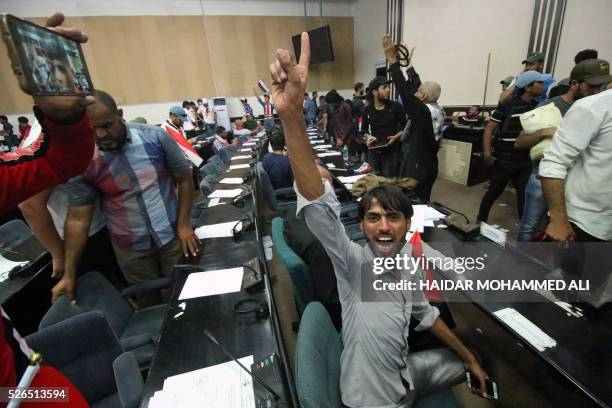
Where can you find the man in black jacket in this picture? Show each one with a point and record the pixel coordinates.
(419, 153)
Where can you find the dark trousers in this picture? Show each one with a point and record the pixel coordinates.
(423, 189)
(354, 149)
(385, 160)
(587, 257)
(502, 171)
(99, 255)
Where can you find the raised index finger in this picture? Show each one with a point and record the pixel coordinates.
(305, 51)
(55, 20)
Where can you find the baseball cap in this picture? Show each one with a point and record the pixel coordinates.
(180, 112)
(533, 57)
(243, 99)
(507, 80)
(139, 119)
(204, 101)
(528, 77)
(592, 71)
(376, 82)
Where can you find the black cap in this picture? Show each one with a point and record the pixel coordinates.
(376, 82)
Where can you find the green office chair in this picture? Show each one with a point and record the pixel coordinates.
(279, 199)
(317, 359)
(303, 287)
(317, 365)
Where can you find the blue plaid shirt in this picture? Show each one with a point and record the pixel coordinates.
(135, 186)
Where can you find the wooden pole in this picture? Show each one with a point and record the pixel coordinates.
(484, 97)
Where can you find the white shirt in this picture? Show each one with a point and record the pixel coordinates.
(209, 115)
(437, 119)
(241, 132)
(58, 208)
(219, 142)
(202, 110)
(581, 154)
(189, 124)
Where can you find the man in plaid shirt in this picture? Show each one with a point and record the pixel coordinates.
(133, 172)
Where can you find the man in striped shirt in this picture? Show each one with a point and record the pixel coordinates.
(508, 163)
(133, 172)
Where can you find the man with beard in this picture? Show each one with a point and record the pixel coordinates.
(506, 162)
(382, 123)
(535, 210)
(344, 129)
(376, 366)
(132, 172)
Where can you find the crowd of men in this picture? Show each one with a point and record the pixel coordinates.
(92, 183)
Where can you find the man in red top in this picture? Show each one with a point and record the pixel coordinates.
(64, 149)
(174, 126)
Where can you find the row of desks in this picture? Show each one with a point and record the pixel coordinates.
(183, 347)
(575, 371)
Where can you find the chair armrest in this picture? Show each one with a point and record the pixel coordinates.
(148, 286)
(284, 191)
(128, 378)
(138, 340)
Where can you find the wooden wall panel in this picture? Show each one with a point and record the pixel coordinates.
(143, 59)
(253, 41)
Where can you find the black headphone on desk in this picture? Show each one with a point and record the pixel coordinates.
(260, 308)
(239, 200)
(244, 225)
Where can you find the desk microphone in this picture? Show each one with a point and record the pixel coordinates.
(254, 376)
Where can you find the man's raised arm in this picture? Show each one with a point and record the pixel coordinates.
(288, 85)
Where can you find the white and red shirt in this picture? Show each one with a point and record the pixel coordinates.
(178, 134)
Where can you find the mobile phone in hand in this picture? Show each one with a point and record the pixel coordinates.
(490, 385)
(44, 61)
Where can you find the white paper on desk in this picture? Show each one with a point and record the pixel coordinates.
(331, 165)
(417, 222)
(225, 193)
(249, 144)
(323, 147)
(223, 229)
(316, 141)
(526, 329)
(209, 283)
(351, 179)
(222, 385)
(214, 202)
(326, 154)
(245, 150)
(232, 180)
(239, 166)
(7, 265)
(429, 213)
(240, 157)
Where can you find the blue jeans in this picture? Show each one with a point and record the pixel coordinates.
(269, 124)
(535, 211)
